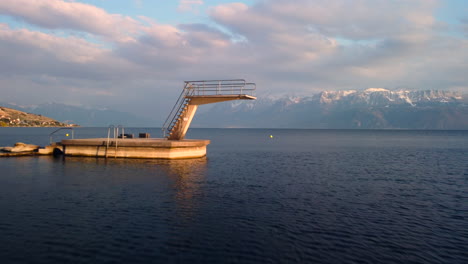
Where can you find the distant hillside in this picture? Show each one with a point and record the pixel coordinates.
(90, 117)
(374, 108)
(15, 118)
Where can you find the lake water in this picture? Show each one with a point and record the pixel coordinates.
(303, 196)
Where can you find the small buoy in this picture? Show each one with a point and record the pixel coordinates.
(67, 135)
(271, 136)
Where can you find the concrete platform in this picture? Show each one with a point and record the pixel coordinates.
(148, 148)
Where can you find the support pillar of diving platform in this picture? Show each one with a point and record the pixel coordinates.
(180, 129)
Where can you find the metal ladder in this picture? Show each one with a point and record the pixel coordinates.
(115, 130)
(178, 110)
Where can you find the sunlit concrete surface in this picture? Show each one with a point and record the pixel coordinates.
(151, 148)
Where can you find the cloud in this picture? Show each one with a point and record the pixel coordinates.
(30, 52)
(297, 47)
(46, 68)
(359, 42)
(365, 20)
(59, 14)
(337, 18)
(464, 26)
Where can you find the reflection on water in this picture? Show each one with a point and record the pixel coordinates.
(188, 176)
(185, 175)
(95, 206)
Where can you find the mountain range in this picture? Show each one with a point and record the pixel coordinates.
(374, 108)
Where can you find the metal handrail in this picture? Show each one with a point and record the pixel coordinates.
(123, 136)
(222, 87)
(205, 88)
(176, 110)
(234, 90)
(176, 105)
(115, 130)
(108, 136)
(51, 134)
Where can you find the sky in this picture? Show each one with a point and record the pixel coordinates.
(133, 55)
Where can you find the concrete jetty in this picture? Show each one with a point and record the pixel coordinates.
(174, 145)
(151, 148)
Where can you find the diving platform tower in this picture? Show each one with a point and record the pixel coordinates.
(173, 145)
(197, 93)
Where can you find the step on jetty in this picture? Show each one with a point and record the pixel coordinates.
(173, 145)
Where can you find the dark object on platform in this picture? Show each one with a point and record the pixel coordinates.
(126, 136)
(57, 152)
(144, 135)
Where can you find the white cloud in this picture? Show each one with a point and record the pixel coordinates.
(24, 51)
(359, 42)
(59, 14)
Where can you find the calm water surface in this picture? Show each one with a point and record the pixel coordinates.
(303, 196)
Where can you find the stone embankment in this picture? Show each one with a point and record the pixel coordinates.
(22, 149)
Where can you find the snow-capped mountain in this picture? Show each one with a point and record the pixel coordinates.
(384, 97)
(371, 108)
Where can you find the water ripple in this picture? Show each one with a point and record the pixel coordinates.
(339, 202)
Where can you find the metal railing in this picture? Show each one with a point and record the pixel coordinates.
(62, 128)
(221, 87)
(204, 88)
